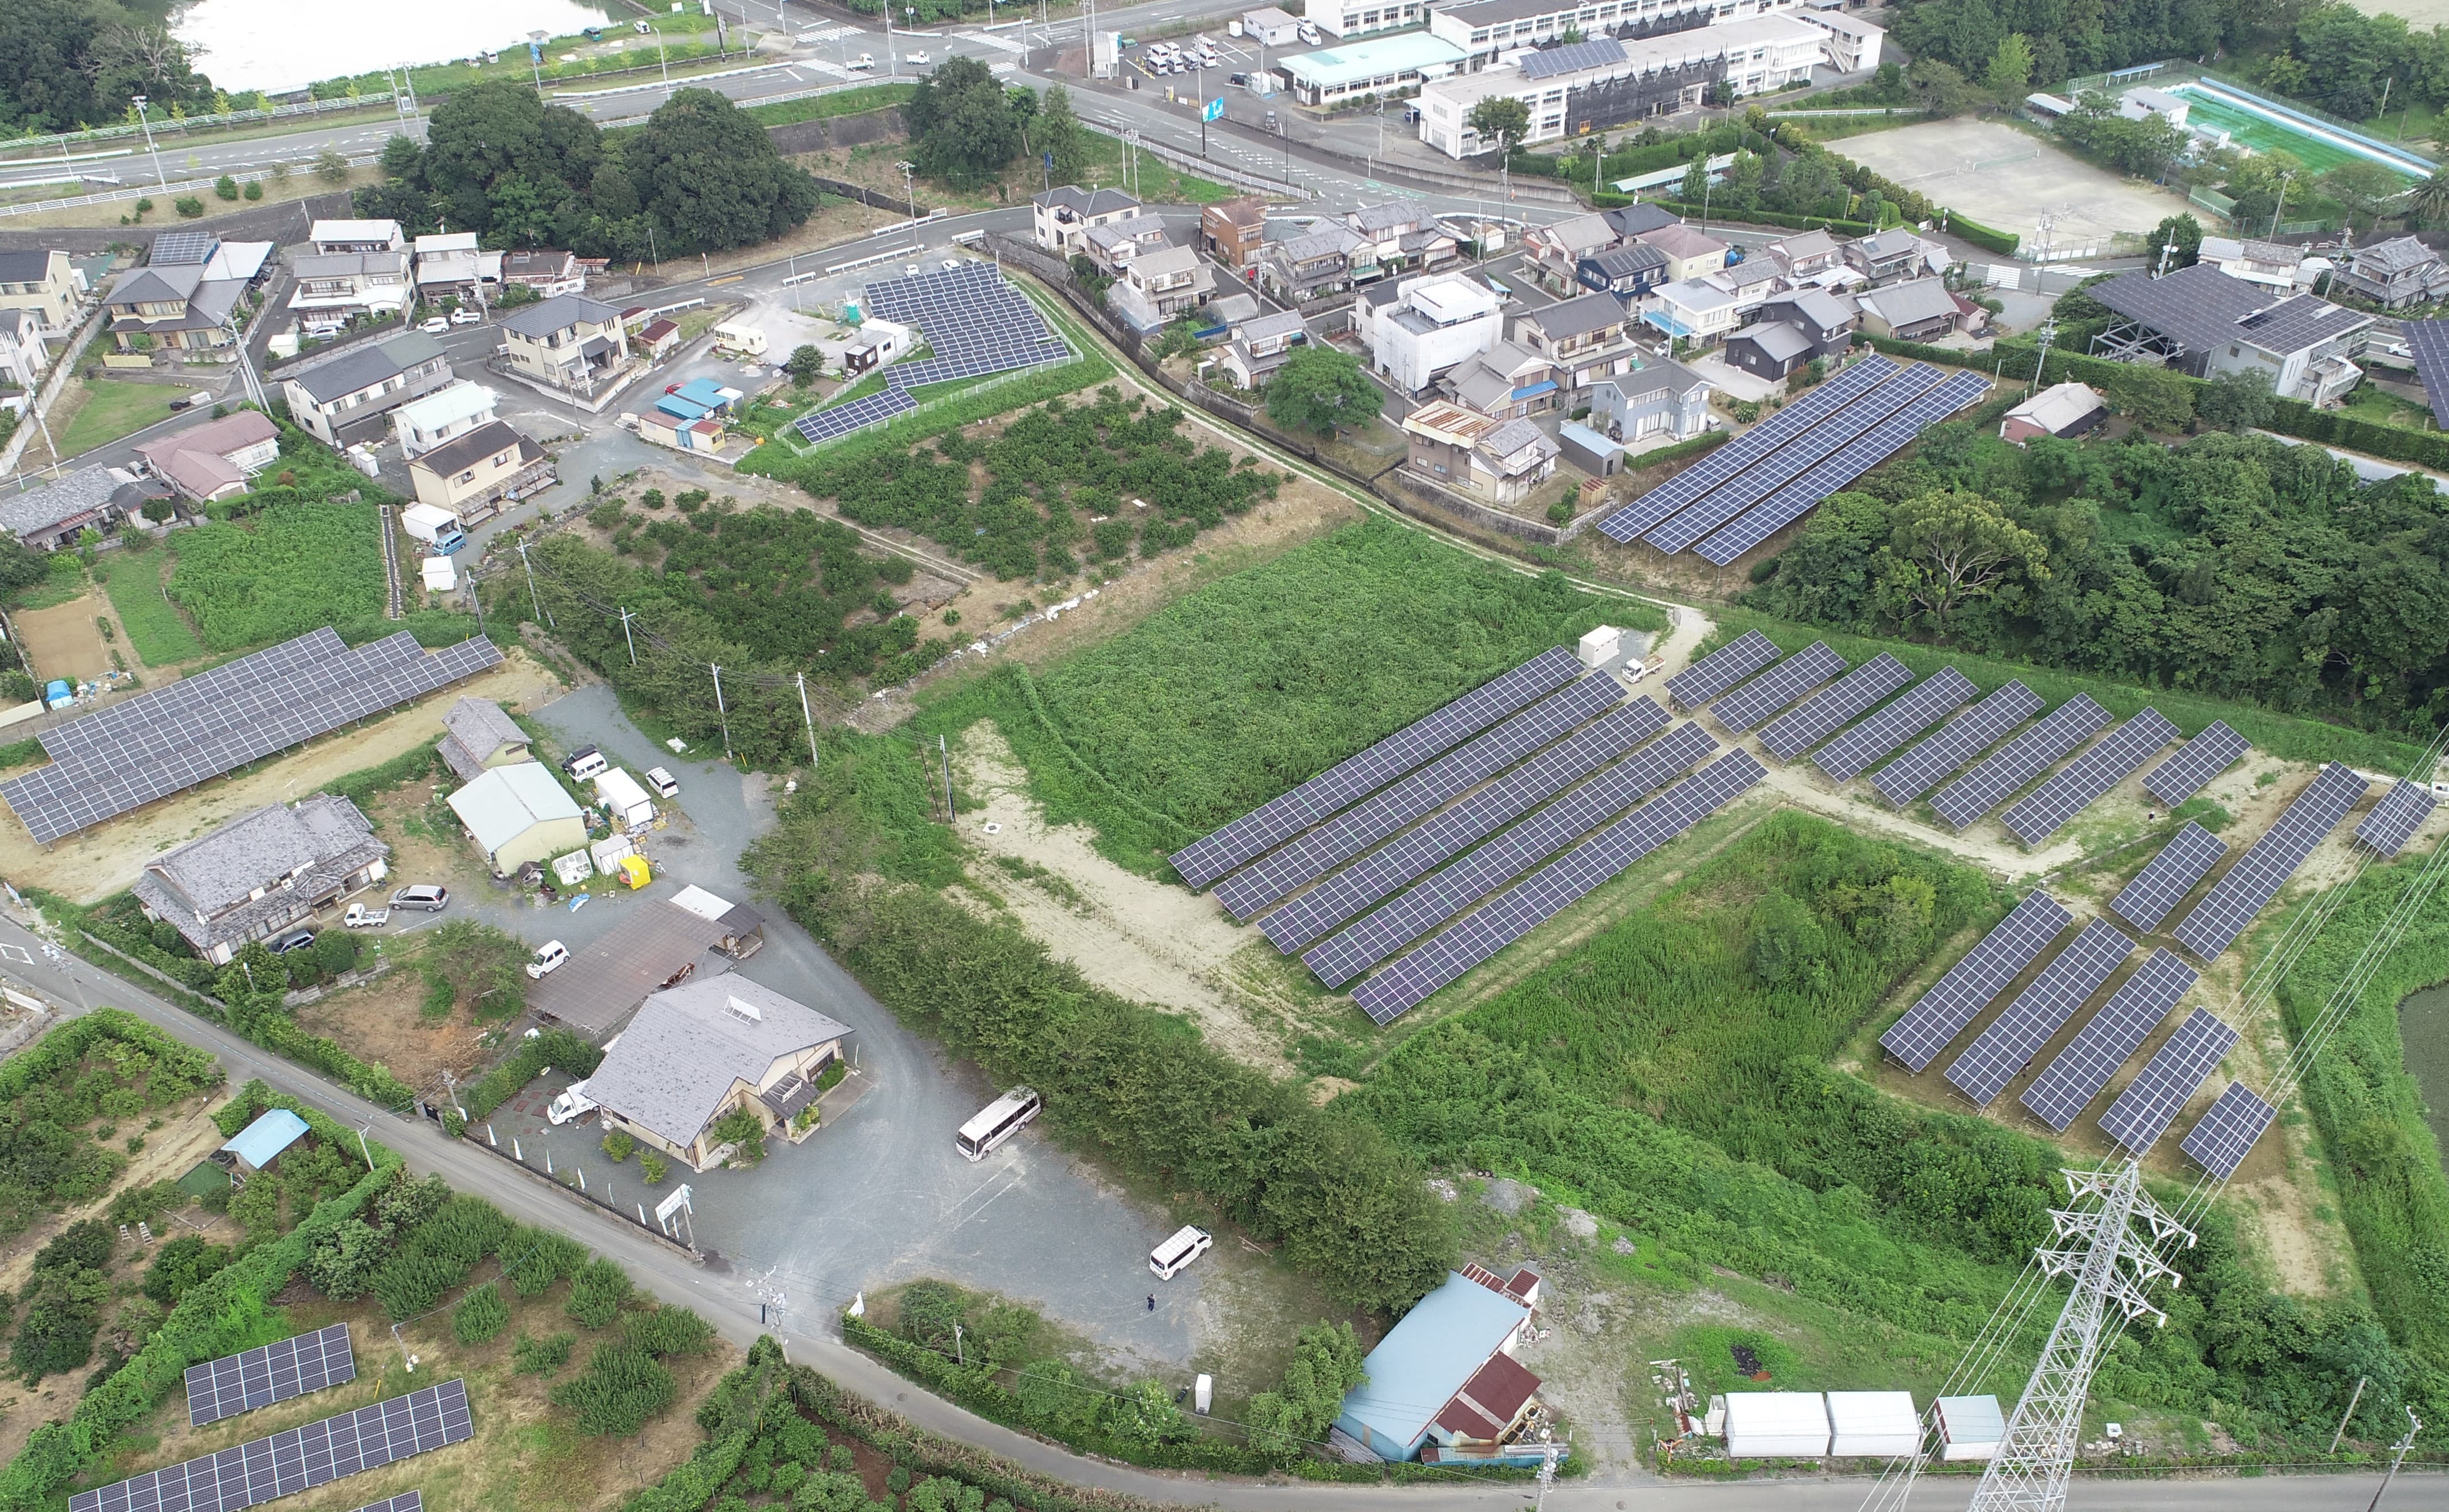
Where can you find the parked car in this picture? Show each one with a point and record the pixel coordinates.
(467, 317)
(949, 264)
(437, 326)
(572, 1103)
(361, 917)
(585, 762)
(550, 957)
(664, 784)
(426, 896)
(285, 943)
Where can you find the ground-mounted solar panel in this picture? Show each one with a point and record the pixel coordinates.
(1357, 776)
(2196, 762)
(2043, 811)
(2224, 1134)
(2427, 342)
(2008, 1045)
(2394, 820)
(841, 419)
(2167, 878)
(1924, 704)
(295, 1461)
(2067, 1085)
(241, 1383)
(2152, 1100)
(1356, 829)
(2213, 924)
(1957, 741)
(1970, 985)
(405, 1502)
(1447, 892)
(1963, 801)
(974, 324)
(1779, 687)
(1318, 912)
(1720, 670)
(1826, 712)
(1549, 890)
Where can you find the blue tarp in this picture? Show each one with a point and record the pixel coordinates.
(679, 408)
(259, 1141)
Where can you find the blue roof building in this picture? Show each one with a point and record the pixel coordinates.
(257, 1143)
(1444, 1378)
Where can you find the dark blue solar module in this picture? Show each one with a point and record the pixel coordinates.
(976, 323)
(2152, 1100)
(2394, 820)
(1999, 1052)
(297, 1460)
(1978, 792)
(1825, 712)
(2224, 1134)
(2075, 1077)
(1779, 686)
(1720, 670)
(2039, 814)
(1957, 998)
(2213, 923)
(2163, 884)
(274, 1372)
(875, 408)
(1958, 741)
(2194, 763)
(1927, 702)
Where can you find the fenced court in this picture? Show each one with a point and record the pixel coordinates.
(2265, 125)
(2007, 180)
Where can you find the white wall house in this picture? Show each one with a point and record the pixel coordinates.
(1432, 325)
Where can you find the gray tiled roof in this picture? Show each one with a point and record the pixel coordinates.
(463, 450)
(1085, 201)
(35, 508)
(558, 313)
(2397, 255)
(475, 729)
(1778, 341)
(1377, 220)
(410, 348)
(1901, 304)
(1283, 323)
(319, 842)
(1577, 316)
(24, 267)
(357, 367)
(1821, 310)
(679, 1058)
(1633, 219)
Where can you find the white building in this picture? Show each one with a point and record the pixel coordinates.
(1852, 45)
(2135, 104)
(1271, 26)
(331, 237)
(1431, 324)
(1487, 29)
(1062, 217)
(452, 411)
(1358, 18)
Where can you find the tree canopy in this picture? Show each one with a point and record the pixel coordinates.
(1320, 391)
(70, 64)
(709, 178)
(964, 126)
(1500, 116)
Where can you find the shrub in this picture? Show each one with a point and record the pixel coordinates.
(254, 189)
(480, 1314)
(225, 187)
(666, 1330)
(191, 206)
(542, 1357)
(179, 1265)
(651, 1169)
(534, 1258)
(744, 1129)
(621, 1387)
(597, 1292)
(618, 1145)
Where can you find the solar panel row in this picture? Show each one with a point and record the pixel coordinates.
(1356, 776)
(2167, 878)
(1825, 712)
(1553, 887)
(1959, 740)
(2427, 342)
(2213, 923)
(297, 1460)
(1957, 998)
(1966, 799)
(1720, 670)
(2069, 1082)
(1933, 700)
(1779, 686)
(2395, 818)
(2152, 1100)
(975, 323)
(1318, 912)
(241, 1383)
(2040, 813)
(1999, 1052)
(2221, 1140)
(2196, 762)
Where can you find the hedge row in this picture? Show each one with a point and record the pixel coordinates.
(534, 1058)
(65, 1046)
(1706, 441)
(2002, 242)
(1609, 200)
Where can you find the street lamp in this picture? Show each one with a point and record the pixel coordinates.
(159, 180)
(661, 58)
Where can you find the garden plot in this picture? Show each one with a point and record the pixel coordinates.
(64, 641)
(2007, 180)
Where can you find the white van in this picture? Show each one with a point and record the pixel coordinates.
(1174, 1255)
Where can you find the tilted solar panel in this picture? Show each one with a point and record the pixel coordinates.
(2213, 923)
(2069, 1082)
(1777, 687)
(1720, 670)
(1966, 799)
(2167, 878)
(2003, 1049)
(2196, 762)
(2427, 342)
(1356, 776)
(2152, 1100)
(1825, 712)
(239, 1383)
(974, 322)
(405, 1502)
(2224, 1134)
(841, 419)
(2394, 820)
(1957, 741)
(1932, 699)
(1439, 838)
(1957, 998)
(297, 1460)
(2040, 813)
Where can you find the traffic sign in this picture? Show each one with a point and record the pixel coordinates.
(1215, 108)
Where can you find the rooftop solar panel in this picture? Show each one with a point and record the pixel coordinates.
(1966, 799)
(2167, 878)
(1957, 741)
(2427, 342)
(1553, 887)
(2041, 812)
(1317, 913)
(1356, 776)
(1779, 687)
(2069, 1082)
(2152, 1100)
(1957, 998)
(241, 1383)
(297, 1460)
(1927, 702)
(2395, 818)
(2224, 1134)
(1825, 712)
(1720, 670)
(1999, 1052)
(2213, 923)
(1356, 829)
(2196, 762)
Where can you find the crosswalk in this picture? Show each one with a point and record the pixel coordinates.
(829, 34)
(1006, 44)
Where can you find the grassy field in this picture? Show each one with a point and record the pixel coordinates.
(114, 408)
(824, 107)
(160, 635)
(280, 573)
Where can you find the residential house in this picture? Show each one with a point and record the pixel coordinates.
(1627, 272)
(1233, 230)
(44, 285)
(1112, 245)
(1752, 282)
(1826, 320)
(261, 872)
(186, 298)
(451, 265)
(518, 813)
(1768, 349)
(1321, 263)
(657, 340)
(1886, 256)
(1502, 462)
(1259, 347)
(2067, 409)
(1062, 215)
(342, 398)
(1629, 221)
(331, 237)
(1155, 287)
(477, 734)
(2200, 321)
(699, 1052)
(2271, 264)
(449, 411)
(1443, 1382)
(1656, 398)
(476, 473)
(1431, 324)
(1805, 254)
(1690, 253)
(1587, 338)
(214, 460)
(47, 515)
(549, 273)
(1506, 382)
(1698, 312)
(569, 342)
(1919, 310)
(1403, 233)
(24, 358)
(1554, 252)
(336, 287)
(2396, 273)
(1383, 67)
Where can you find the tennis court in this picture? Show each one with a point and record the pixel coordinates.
(2320, 148)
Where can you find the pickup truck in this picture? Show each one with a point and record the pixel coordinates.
(361, 917)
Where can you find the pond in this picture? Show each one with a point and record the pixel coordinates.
(2423, 1025)
(260, 43)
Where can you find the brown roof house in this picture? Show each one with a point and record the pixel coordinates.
(261, 873)
(477, 734)
(214, 460)
(701, 1051)
(1233, 230)
(472, 474)
(1501, 461)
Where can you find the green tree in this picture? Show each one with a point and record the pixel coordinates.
(480, 1314)
(225, 187)
(1325, 1365)
(621, 1387)
(709, 178)
(1941, 88)
(1950, 546)
(806, 365)
(2363, 187)
(1144, 1416)
(1695, 186)
(484, 967)
(2237, 400)
(491, 133)
(597, 1292)
(2182, 233)
(401, 157)
(331, 166)
(1321, 391)
(2010, 71)
(1501, 120)
(962, 124)
(2153, 399)
(1056, 132)
(2428, 202)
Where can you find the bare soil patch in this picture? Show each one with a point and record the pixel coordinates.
(63, 640)
(378, 1021)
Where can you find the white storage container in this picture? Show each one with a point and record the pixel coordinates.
(1970, 1428)
(1600, 646)
(1776, 1426)
(1877, 1424)
(624, 799)
(606, 853)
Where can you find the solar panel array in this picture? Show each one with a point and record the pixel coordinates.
(2070, 1082)
(1720, 670)
(297, 1460)
(1825, 712)
(1356, 829)
(1355, 778)
(1999, 1052)
(976, 324)
(2213, 923)
(1959, 740)
(1933, 700)
(1754, 446)
(1779, 687)
(2395, 818)
(1553, 887)
(2018, 761)
(1438, 839)
(1441, 894)
(405, 1502)
(2196, 762)
(2221, 1140)
(2063, 797)
(2427, 343)
(1854, 458)
(195, 729)
(2165, 881)
(241, 1383)
(2152, 1100)
(1957, 998)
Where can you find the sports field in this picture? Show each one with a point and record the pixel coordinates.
(2008, 180)
(2251, 130)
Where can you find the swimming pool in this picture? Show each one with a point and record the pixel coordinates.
(2267, 126)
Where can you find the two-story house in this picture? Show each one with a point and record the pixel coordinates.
(1113, 245)
(24, 358)
(1657, 398)
(261, 872)
(1157, 286)
(547, 271)
(1922, 310)
(1502, 462)
(214, 460)
(1554, 252)
(1403, 235)
(1062, 217)
(697, 1052)
(1805, 255)
(452, 265)
(1690, 253)
(330, 236)
(1695, 310)
(476, 472)
(1233, 230)
(43, 283)
(1506, 382)
(1260, 346)
(1425, 326)
(1627, 272)
(1826, 320)
(449, 411)
(343, 398)
(2272, 264)
(173, 307)
(2202, 322)
(2396, 273)
(1586, 338)
(1768, 349)
(1324, 261)
(1752, 282)
(569, 342)
(1885, 257)
(336, 287)
(1629, 221)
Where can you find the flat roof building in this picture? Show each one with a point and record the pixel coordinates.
(1377, 65)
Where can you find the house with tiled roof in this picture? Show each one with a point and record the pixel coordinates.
(261, 872)
(700, 1051)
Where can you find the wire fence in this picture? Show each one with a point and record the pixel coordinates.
(145, 191)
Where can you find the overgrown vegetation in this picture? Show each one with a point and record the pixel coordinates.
(107, 1066)
(281, 573)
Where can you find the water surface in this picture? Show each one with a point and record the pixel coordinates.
(275, 45)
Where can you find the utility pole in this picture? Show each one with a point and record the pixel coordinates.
(892, 58)
(2049, 333)
(810, 721)
(2348, 1415)
(626, 617)
(2414, 1427)
(911, 184)
(722, 714)
(2283, 179)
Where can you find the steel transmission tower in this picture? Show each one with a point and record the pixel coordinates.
(2109, 1239)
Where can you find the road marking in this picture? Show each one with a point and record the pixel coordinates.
(18, 953)
(729, 278)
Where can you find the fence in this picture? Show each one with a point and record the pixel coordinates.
(508, 1158)
(226, 118)
(155, 972)
(1203, 168)
(145, 191)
